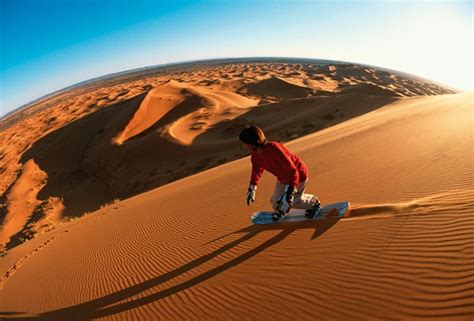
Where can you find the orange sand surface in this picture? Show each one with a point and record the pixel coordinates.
(187, 250)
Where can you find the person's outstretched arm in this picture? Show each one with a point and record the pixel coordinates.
(257, 172)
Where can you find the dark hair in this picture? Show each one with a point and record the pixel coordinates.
(253, 135)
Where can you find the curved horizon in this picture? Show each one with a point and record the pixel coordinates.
(216, 59)
(117, 37)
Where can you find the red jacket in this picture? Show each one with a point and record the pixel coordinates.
(275, 158)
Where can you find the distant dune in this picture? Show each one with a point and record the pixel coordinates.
(275, 88)
(157, 164)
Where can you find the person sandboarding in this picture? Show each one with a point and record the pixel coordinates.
(289, 169)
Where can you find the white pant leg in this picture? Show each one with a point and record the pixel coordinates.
(277, 194)
(301, 201)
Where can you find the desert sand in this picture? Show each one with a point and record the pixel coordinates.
(168, 235)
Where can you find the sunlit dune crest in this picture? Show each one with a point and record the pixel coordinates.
(195, 109)
(156, 163)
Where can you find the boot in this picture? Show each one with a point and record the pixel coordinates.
(277, 216)
(313, 210)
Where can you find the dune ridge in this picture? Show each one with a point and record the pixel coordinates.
(196, 109)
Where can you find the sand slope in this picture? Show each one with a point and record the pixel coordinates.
(188, 251)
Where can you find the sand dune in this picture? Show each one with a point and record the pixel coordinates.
(157, 103)
(22, 199)
(195, 109)
(189, 111)
(187, 250)
(274, 88)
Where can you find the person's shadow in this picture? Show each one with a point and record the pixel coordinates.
(102, 307)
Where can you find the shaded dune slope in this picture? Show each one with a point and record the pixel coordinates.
(404, 252)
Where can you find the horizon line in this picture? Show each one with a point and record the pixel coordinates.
(203, 60)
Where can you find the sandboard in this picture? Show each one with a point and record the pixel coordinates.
(335, 210)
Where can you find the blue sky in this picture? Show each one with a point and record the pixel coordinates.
(50, 44)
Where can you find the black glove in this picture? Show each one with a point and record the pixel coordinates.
(290, 194)
(251, 193)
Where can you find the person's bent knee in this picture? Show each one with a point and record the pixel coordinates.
(297, 199)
